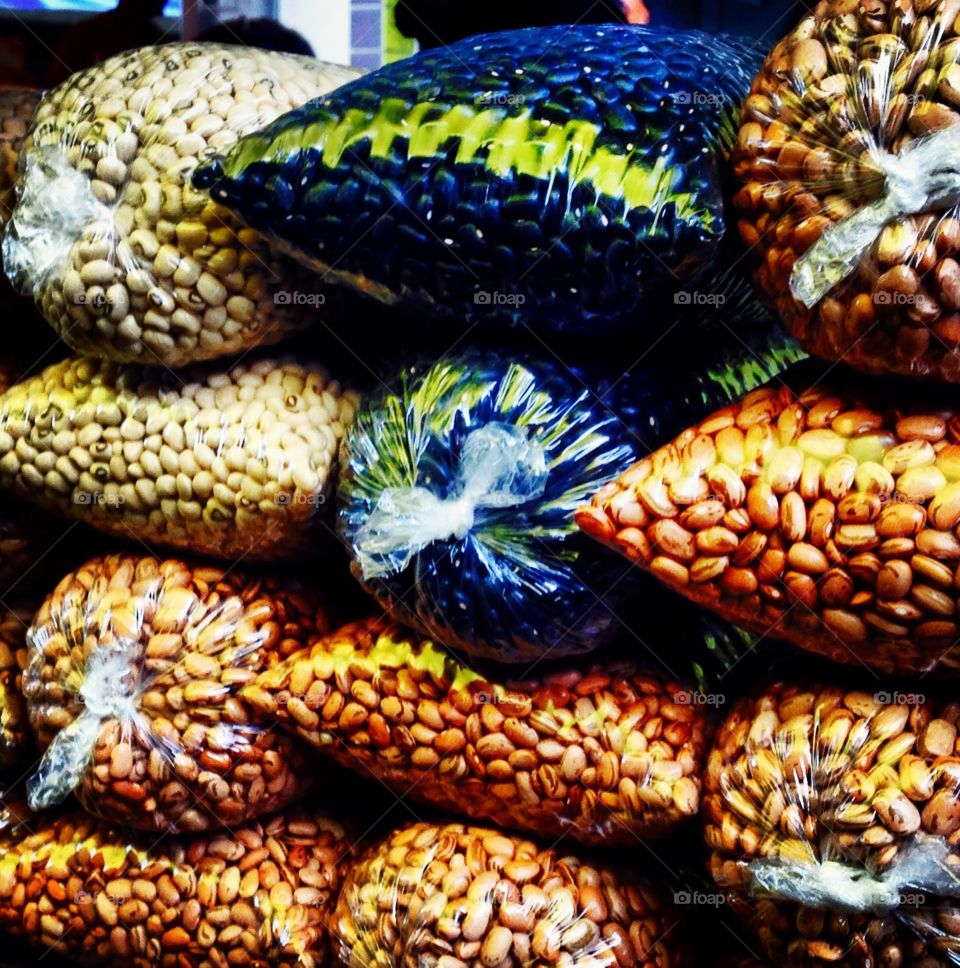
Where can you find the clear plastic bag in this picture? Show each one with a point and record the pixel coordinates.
(15, 741)
(833, 817)
(474, 897)
(828, 517)
(233, 461)
(133, 685)
(456, 499)
(554, 176)
(126, 260)
(606, 752)
(259, 894)
(849, 185)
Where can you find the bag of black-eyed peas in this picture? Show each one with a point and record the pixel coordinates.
(554, 178)
(122, 256)
(234, 461)
(134, 673)
(832, 816)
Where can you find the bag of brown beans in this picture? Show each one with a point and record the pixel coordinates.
(826, 516)
(231, 462)
(849, 185)
(604, 751)
(15, 741)
(16, 109)
(453, 896)
(833, 817)
(135, 668)
(258, 894)
(124, 258)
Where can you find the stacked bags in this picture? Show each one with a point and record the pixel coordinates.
(819, 509)
(177, 209)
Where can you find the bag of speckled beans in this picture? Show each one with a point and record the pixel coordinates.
(553, 177)
(134, 673)
(259, 893)
(827, 516)
(849, 185)
(16, 109)
(15, 740)
(233, 461)
(124, 259)
(832, 818)
(608, 751)
(450, 894)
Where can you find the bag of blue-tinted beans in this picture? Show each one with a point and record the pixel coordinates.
(553, 177)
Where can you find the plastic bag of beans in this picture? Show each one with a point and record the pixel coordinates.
(849, 188)
(606, 752)
(825, 516)
(232, 462)
(832, 817)
(135, 668)
(15, 741)
(552, 176)
(258, 894)
(681, 379)
(456, 498)
(455, 895)
(126, 260)
(16, 109)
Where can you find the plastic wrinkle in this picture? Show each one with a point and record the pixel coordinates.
(926, 175)
(499, 468)
(838, 886)
(109, 691)
(55, 208)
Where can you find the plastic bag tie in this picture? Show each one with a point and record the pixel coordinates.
(925, 175)
(108, 691)
(836, 885)
(55, 208)
(499, 467)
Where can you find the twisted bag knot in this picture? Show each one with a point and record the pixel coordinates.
(108, 692)
(499, 467)
(924, 176)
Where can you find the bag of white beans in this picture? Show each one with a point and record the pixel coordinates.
(233, 461)
(833, 820)
(124, 258)
(134, 673)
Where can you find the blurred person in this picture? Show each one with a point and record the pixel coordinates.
(130, 24)
(258, 32)
(436, 23)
